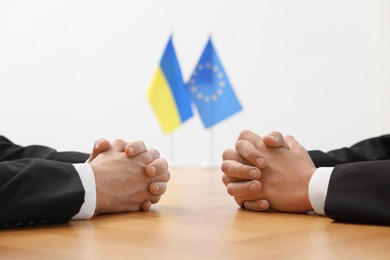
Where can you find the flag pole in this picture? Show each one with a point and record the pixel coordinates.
(211, 148)
(172, 148)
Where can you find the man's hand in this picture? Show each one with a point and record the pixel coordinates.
(285, 173)
(243, 175)
(156, 169)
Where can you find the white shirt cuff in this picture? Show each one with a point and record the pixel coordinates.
(318, 188)
(87, 177)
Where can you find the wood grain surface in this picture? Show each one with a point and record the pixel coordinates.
(196, 219)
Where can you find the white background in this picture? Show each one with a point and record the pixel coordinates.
(75, 71)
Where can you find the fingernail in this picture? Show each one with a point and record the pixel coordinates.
(253, 174)
(153, 169)
(157, 188)
(260, 162)
(253, 187)
(246, 204)
(130, 150)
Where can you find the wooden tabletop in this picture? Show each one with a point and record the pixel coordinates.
(196, 219)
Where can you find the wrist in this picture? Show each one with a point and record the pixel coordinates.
(99, 208)
(306, 203)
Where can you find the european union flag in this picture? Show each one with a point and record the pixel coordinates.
(210, 89)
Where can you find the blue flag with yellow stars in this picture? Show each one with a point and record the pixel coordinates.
(210, 89)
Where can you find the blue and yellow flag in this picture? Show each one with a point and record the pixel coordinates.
(210, 89)
(167, 94)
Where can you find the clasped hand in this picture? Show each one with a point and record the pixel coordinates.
(128, 176)
(268, 173)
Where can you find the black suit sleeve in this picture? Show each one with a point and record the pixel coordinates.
(36, 191)
(10, 151)
(360, 192)
(377, 148)
(359, 187)
(38, 185)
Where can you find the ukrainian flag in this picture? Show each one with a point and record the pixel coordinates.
(167, 93)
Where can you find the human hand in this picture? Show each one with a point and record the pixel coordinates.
(237, 168)
(131, 149)
(241, 177)
(121, 182)
(158, 167)
(284, 181)
(246, 192)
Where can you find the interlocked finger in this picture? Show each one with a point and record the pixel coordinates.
(249, 152)
(240, 171)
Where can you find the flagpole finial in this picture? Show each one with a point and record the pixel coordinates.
(210, 37)
(170, 39)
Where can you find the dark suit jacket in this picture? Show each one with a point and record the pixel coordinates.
(38, 185)
(359, 187)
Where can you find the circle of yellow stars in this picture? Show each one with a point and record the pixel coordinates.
(221, 83)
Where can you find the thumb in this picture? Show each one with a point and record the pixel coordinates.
(275, 140)
(100, 146)
(293, 144)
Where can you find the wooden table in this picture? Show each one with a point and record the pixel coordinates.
(196, 219)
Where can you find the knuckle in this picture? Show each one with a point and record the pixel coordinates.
(259, 186)
(244, 134)
(150, 156)
(118, 141)
(241, 171)
(276, 133)
(139, 144)
(260, 145)
(230, 190)
(225, 154)
(166, 165)
(239, 201)
(225, 179)
(252, 155)
(228, 154)
(163, 176)
(167, 177)
(240, 145)
(225, 167)
(155, 199)
(155, 152)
